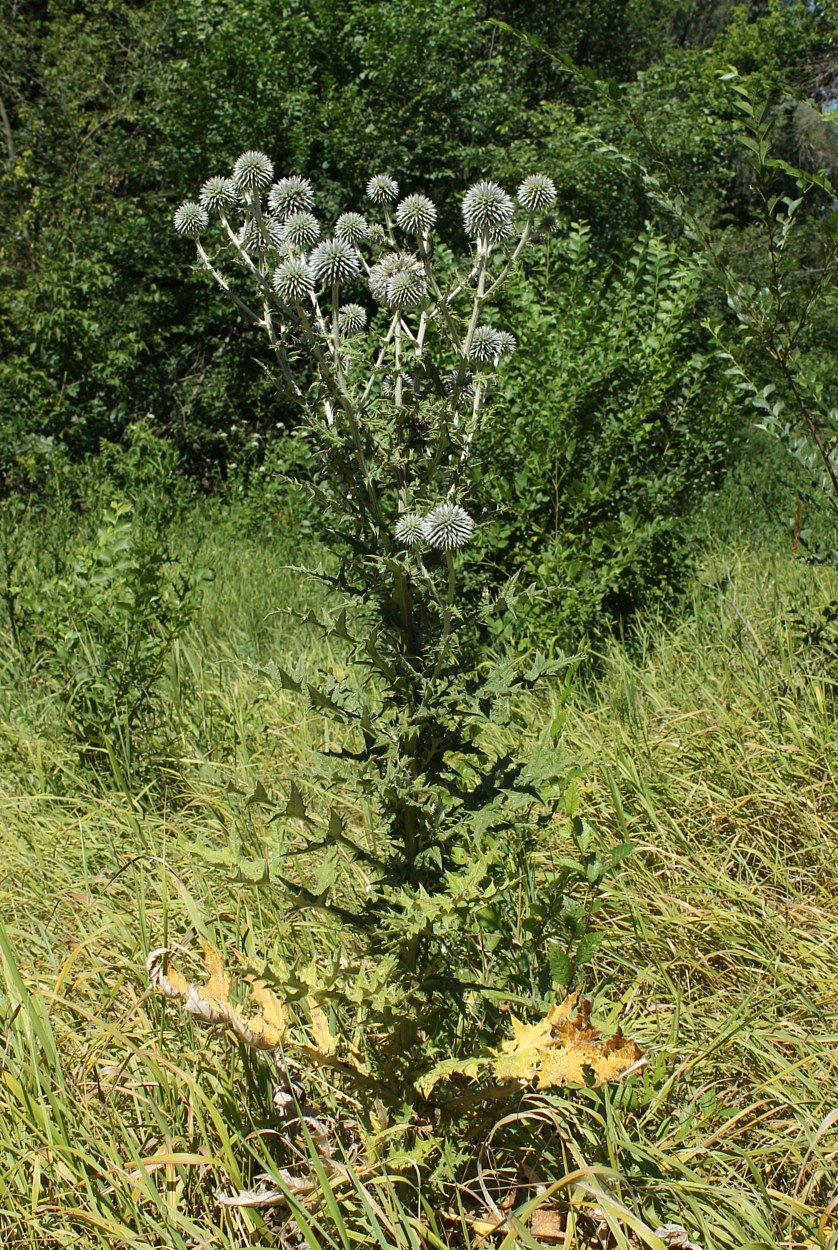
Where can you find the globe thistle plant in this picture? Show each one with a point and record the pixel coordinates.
(537, 193)
(486, 345)
(290, 195)
(410, 530)
(507, 342)
(302, 230)
(382, 189)
(218, 195)
(352, 318)
(334, 261)
(416, 214)
(448, 527)
(191, 219)
(351, 227)
(393, 411)
(252, 171)
(293, 280)
(488, 210)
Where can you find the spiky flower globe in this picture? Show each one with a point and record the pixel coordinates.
(537, 193)
(467, 384)
(406, 289)
(508, 342)
(410, 530)
(352, 318)
(388, 384)
(218, 194)
(486, 344)
(334, 260)
(449, 383)
(252, 171)
(416, 214)
(409, 290)
(293, 280)
(302, 230)
(382, 189)
(290, 195)
(191, 219)
(487, 209)
(377, 234)
(352, 227)
(448, 527)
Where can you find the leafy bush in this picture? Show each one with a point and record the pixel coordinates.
(615, 421)
(92, 594)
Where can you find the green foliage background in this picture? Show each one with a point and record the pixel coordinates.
(114, 112)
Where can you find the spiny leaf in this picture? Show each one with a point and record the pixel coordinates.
(562, 1049)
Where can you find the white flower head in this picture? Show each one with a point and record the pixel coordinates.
(449, 383)
(486, 345)
(508, 342)
(218, 194)
(416, 214)
(352, 318)
(290, 195)
(388, 384)
(409, 290)
(302, 229)
(191, 219)
(252, 171)
(382, 189)
(537, 193)
(487, 209)
(334, 260)
(293, 280)
(448, 527)
(352, 227)
(410, 530)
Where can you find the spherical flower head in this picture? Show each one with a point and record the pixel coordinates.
(377, 234)
(218, 195)
(388, 384)
(537, 193)
(293, 280)
(508, 342)
(334, 260)
(410, 530)
(252, 171)
(485, 345)
(487, 209)
(406, 289)
(191, 219)
(352, 318)
(302, 230)
(381, 275)
(416, 214)
(449, 383)
(448, 527)
(382, 189)
(290, 195)
(351, 227)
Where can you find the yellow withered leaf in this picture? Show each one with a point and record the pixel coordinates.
(267, 1030)
(563, 1049)
(210, 1002)
(324, 1040)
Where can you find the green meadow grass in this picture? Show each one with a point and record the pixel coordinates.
(711, 743)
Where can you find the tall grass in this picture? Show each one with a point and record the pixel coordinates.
(710, 743)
